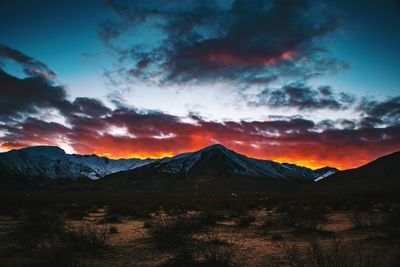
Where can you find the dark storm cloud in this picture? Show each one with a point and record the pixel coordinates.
(303, 97)
(31, 66)
(90, 107)
(242, 41)
(387, 111)
(20, 96)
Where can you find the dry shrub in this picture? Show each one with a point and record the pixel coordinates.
(304, 219)
(113, 230)
(170, 231)
(90, 236)
(37, 226)
(42, 238)
(207, 249)
(332, 254)
(213, 250)
(244, 221)
(362, 219)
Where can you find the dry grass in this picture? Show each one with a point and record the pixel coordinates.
(331, 253)
(279, 236)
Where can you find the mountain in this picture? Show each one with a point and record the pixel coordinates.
(53, 163)
(315, 175)
(212, 165)
(380, 175)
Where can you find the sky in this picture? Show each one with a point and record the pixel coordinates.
(310, 82)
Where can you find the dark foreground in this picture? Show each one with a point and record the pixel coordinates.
(41, 228)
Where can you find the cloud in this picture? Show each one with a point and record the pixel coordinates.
(303, 97)
(28, 95)
(20, 96)
(378, 112)
(151, 133)
(241, 41)
(91, 107)
(31, 66)
(89, 126)
(33, 131)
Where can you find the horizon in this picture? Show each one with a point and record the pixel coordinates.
(312, 83)
(171, 156)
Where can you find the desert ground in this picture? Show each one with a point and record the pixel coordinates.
(232, 230)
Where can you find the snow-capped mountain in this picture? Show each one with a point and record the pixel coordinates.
(52, 162)
(325, 172)
(216, 161)
(315, 175)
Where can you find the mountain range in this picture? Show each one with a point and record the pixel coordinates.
(212, 168)
(53, 163)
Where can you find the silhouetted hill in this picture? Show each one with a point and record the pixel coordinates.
(380, 175)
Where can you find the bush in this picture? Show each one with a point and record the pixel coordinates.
(214, 251)
(304, 219)
(276, 237)
(333, 254)
(37, 226)
(244, 221)
(43, 239)
(76, 213)
(110, 218)
(362, 219)
(391, 223)
(167, 230)
(208, 249)
(56, 252)
(90, 237)
(208, 218)
(113, 230)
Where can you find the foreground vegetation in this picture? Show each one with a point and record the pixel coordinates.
(84, 229)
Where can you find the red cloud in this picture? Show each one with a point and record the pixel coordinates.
(159, 135)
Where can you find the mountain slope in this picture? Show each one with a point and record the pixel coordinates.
(315, 175)
(380, 175)
(54, 163)
(212, 165)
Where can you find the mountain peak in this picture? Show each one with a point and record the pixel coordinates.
(215, 147)
(44, 150)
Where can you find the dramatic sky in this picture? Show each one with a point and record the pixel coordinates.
(309, 82)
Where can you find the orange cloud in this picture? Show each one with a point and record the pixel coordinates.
(285, 140)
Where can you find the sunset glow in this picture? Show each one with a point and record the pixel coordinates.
(275, 80)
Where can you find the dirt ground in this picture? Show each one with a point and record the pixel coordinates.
(263, 241)
(131, 245)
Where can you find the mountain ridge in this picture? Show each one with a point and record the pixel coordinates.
(213, 164)
(53, 162)
(379, 175)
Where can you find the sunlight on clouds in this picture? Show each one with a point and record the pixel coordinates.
(164, 136)
(120, 131)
